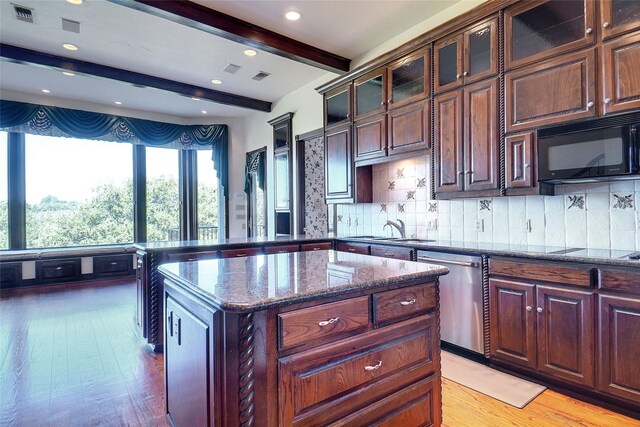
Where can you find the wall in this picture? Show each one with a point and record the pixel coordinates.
(595, 216)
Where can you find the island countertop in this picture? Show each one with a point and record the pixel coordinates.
(267, 281)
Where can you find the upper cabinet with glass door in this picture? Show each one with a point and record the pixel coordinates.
(619, 17)
(467, 56)
(370, 93)
(539, 29)
(337, 106)
(408, 79)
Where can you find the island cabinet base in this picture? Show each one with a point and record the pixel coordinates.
(337, 361)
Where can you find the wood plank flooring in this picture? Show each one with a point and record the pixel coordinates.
(70, 356)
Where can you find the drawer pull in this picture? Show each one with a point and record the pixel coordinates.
(241, 255)
(389, 254)
(282, 252)
(316, 249)
(58, 268)
(113, 263)
(192, 259)
(410, 302)
(352, 250)
(328, 322)
(374, 367)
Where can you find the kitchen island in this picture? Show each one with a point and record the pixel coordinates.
(306, 338)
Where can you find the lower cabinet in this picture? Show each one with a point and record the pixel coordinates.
(545, 328)
(619, 346)
(391, 252)
(64, 270)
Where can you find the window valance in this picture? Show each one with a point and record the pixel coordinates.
(40, 119)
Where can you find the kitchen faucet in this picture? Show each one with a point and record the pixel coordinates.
(400, 227)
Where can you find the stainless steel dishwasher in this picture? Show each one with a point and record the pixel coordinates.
(460, 299)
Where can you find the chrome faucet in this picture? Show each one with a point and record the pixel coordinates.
(400, 227)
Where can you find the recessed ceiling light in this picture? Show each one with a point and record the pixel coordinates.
(203, 112)
(46, 90)
(216, 81)
(250, 52)
(118, 103)
(70, 46)
(75, 1)
(195, 99)
(293, 15)
(68, 73)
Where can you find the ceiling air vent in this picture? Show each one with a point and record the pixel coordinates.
(260, 76)
(23, 13)
(231, 68)
(71, 26)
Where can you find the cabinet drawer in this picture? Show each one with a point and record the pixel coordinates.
(191, 256)
(322, 246)
(239, 253)
(620, 280)
(281, 249)
(323, 323)
(324, 384)
(355, 248)
(413, 406)
(402, 303)
(548, 272)
(58, 271)
(116, 265)
(10, 273)
(390, 252)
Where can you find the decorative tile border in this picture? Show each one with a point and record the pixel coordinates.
(622, 201)
(576, 202)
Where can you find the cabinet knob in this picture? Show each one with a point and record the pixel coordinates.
(589, 104)
(373, 367)
(529, 308)
(607, 100)
(328, 322)
(348, 115)
(466, 73)
(457, 76)
(589, 30)
(468, 172)
(461, 173)
(606, 24)
(382, 103)
(539, 309)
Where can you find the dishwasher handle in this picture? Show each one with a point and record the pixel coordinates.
(442, 261)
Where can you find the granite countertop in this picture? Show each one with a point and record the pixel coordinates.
(266, 281)
(236, 241)
(550, 253)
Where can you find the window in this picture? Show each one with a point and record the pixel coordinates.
(78, 192)
(207, 196)
(4, 205)
(163, 197)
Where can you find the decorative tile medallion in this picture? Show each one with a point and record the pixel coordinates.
(622, 202)
(339, 218)
(411, 195)
(433, 207)
(422, 183)
(576, 202)
(383, 207)
(392, 185)
(401, 207)
(484, 205)
(400, 173)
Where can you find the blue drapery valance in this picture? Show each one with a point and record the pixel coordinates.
(88, 125)
(255, 162)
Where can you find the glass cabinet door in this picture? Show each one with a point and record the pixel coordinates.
(370, 93)
(337, 106)
(481, 51)
(538, 30)
(448, 63)
(281, 163)
(619, 16)
(409, 79)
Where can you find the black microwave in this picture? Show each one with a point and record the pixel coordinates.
(595, 150)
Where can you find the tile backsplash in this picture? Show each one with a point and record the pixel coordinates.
(598, 216)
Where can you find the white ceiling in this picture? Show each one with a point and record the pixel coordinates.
(124, 38)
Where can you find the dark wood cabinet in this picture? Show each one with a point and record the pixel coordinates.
(565, 332)
(391, 252)
(370, 93)
(281, 249)
(618, 344)
(320, 246)
(621, 73)
(467, 56)
(240, 253)
(10, 274)
(541, 29)
(338, 165)
(113, 265)
(356, 248)
(409, 79)
(619, 17)
(337, 106)
(141, 301)
(466, 138)
(370, 137)
(191, 256)
(409, 127)
(63, 270)
(554, 91)
(519, 161)
(513, 322)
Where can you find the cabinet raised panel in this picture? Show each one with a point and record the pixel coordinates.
(619, 16)
(448, 142)
(618, 346)
(338, 163)
(554, 91)
(481, 135)
(519, 160)
(621, 74)
(371, 137)
(565, 334)
(512, 322)
(409, 127)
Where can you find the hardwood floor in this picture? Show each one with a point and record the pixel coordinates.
(70, 356)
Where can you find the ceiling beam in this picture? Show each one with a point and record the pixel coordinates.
(220, 24)
(27, 56)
